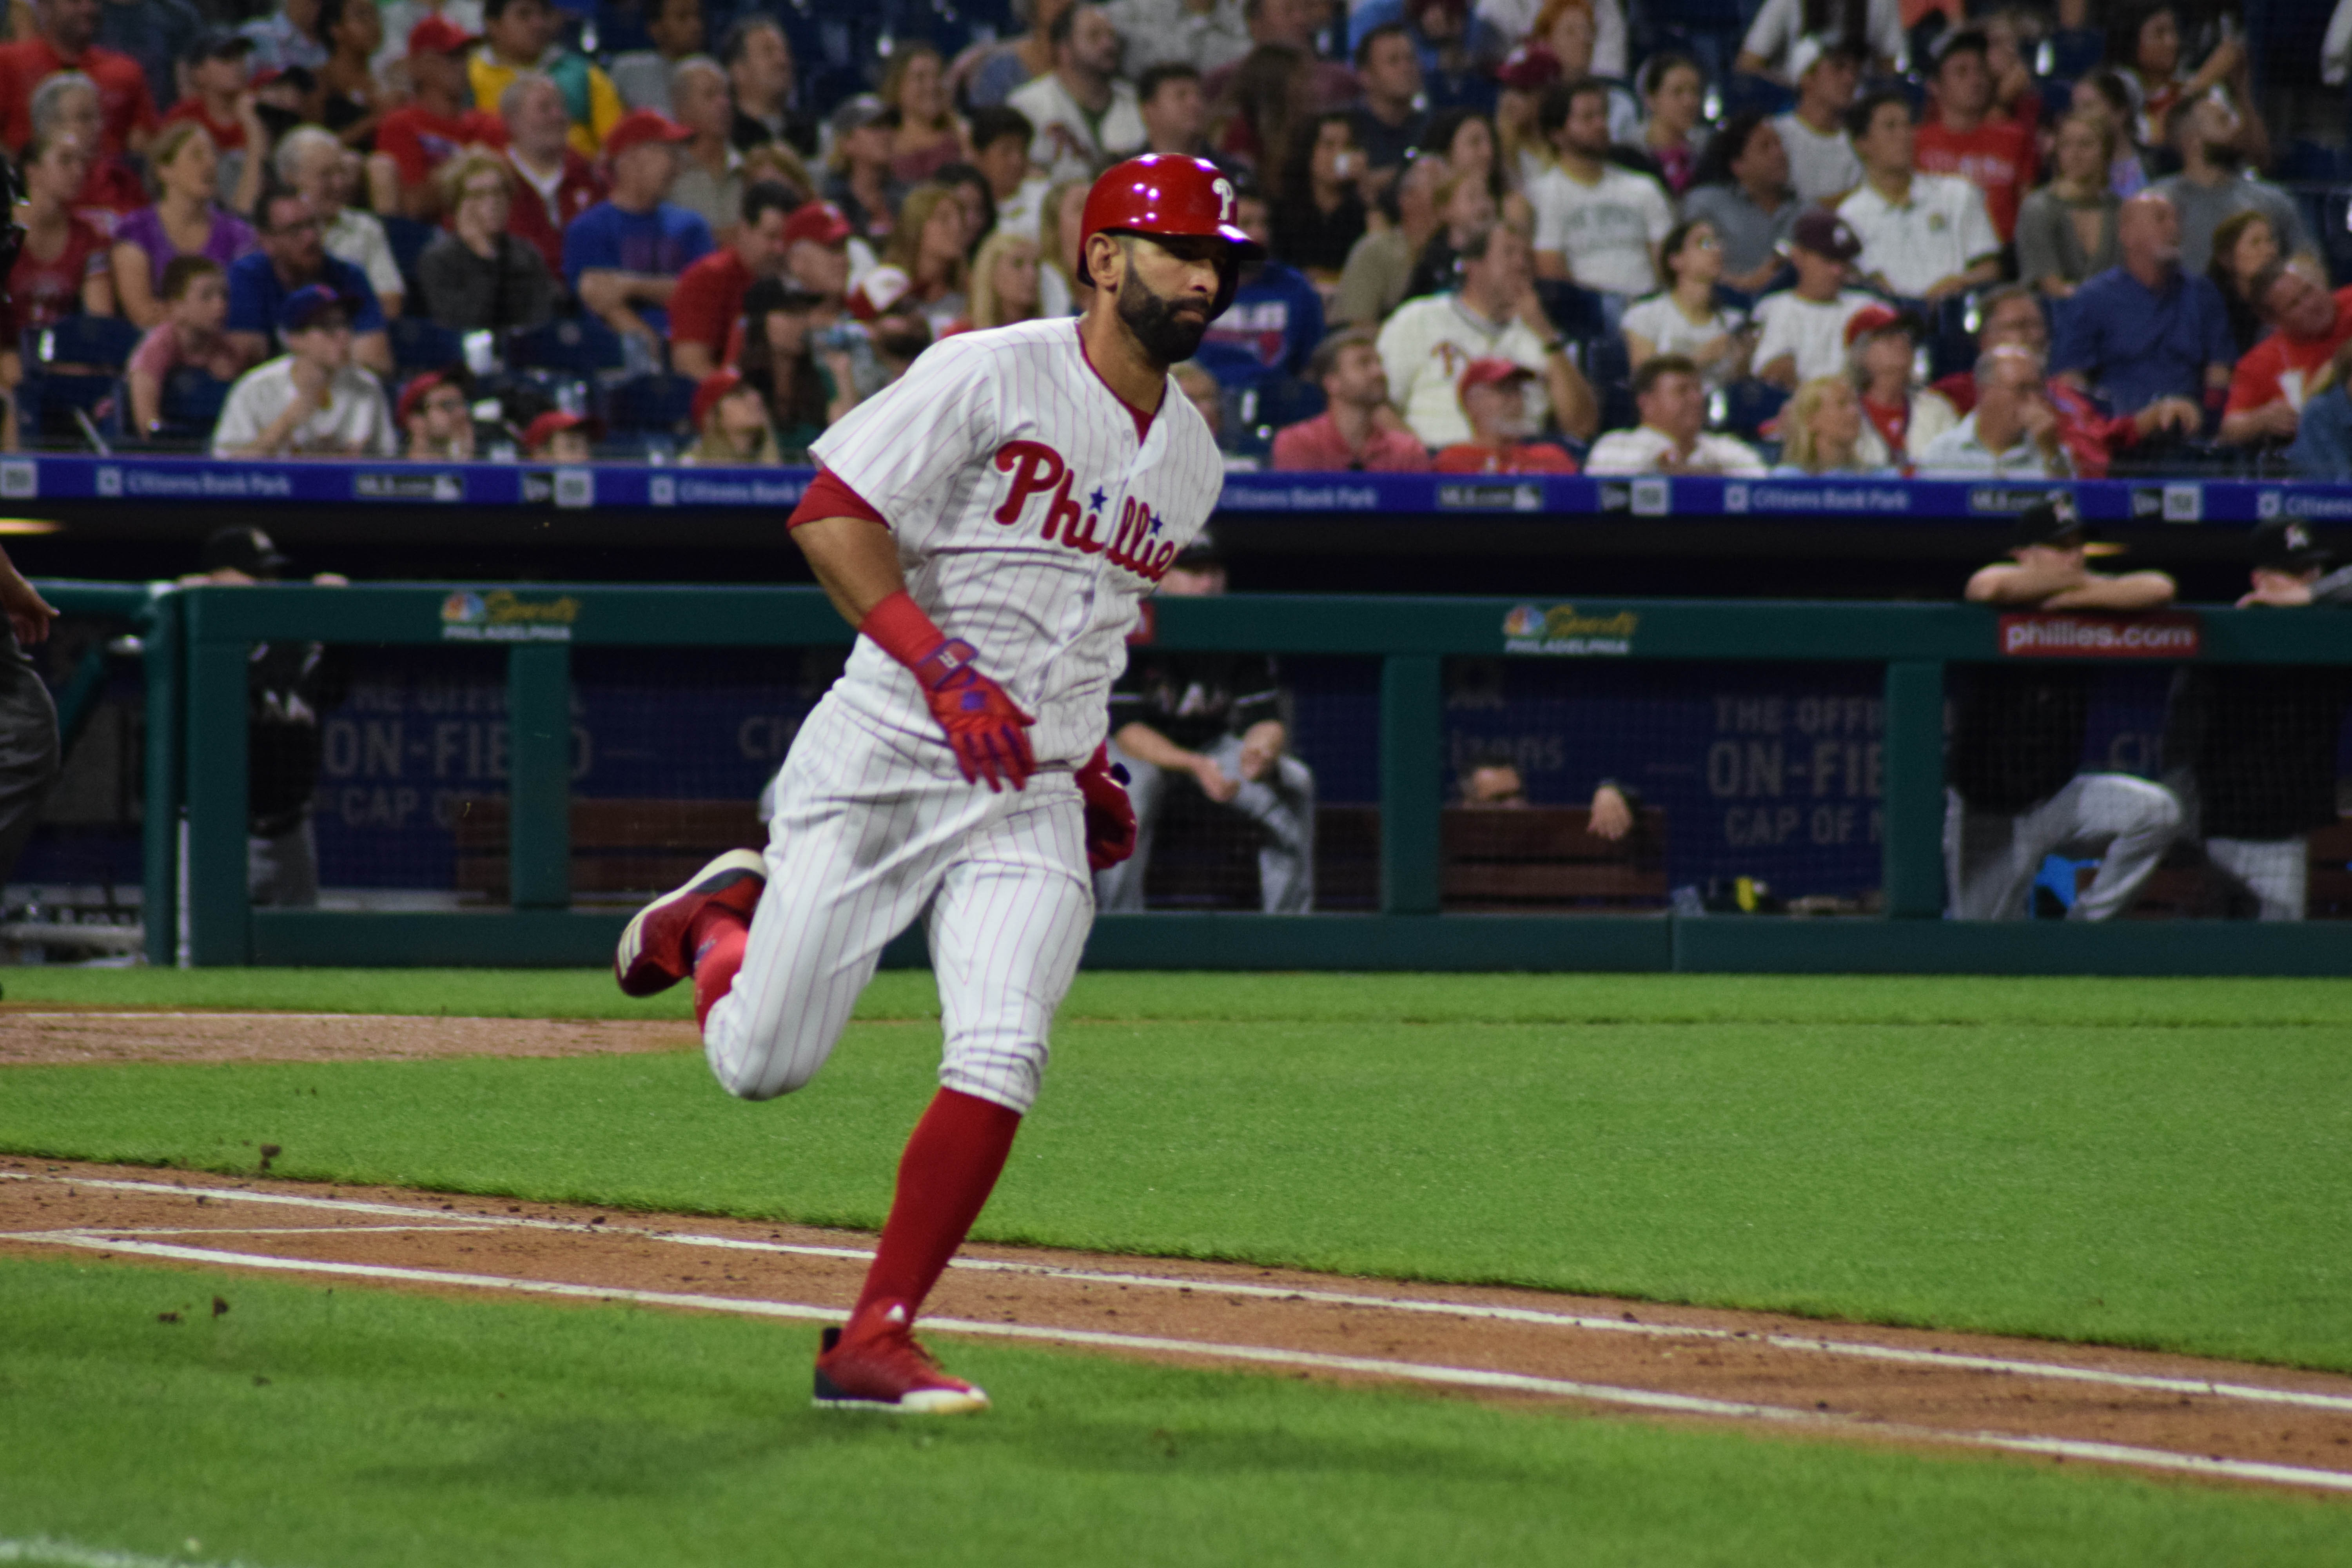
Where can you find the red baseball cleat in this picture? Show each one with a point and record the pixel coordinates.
(655, 949)
(882, 1368)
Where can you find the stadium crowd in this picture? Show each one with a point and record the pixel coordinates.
(1891, 238)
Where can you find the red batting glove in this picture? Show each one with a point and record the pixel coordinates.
(985, 730)
(1110, 816)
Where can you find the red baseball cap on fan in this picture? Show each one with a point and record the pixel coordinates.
(819, 222)
(543, 430)
(1530, 67)
(715, 387)
(641, 126)
(438, 36)
(1490, 373)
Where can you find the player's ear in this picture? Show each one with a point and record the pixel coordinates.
(1107, 260)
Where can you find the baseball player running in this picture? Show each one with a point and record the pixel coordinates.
(989, 524)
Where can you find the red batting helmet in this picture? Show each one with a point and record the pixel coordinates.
(1164, 192)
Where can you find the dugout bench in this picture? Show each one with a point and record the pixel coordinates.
(199, 637)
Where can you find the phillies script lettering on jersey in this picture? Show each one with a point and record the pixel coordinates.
(1136, 544)
(1033, 510)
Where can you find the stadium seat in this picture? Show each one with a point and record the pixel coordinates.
(1749, 406)
(192, 404)
(419, 344)
(46, 407)
(581, 347)
(1609, 369)
(659, 403)
(1575, 311)
(87, 342)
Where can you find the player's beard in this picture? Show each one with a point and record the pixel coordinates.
(1169, 335)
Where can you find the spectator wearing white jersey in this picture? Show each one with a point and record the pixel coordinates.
(1597, 226)
(1802, 334)
(1821, 163)
(1496, 313)
(1923, 235)
(1085, 114)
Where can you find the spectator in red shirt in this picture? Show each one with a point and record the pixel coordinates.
(2267, 389)
(126, 112)
(709, 298)
(62, 269)
(1494, 400)
(417, 137)
(195, 306)
(1357, 430)
(1996, 156)
(553, 183)
(219, 99)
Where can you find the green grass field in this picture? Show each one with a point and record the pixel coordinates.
(2145, 1162)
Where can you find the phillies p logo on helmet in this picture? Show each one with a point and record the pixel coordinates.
(1163, 194)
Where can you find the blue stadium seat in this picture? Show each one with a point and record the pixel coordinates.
(408, 237)
(191, 405)
(1743, 92)
(581, 346)
(47, 405)
(99, 343)
(419, 344)
(1575, 311)
(1750, 406)
(656, 403)
(1609, 368)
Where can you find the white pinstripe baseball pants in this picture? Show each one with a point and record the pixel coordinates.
(869, 827)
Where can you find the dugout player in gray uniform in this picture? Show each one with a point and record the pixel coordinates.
(2252, 750)
(1216, 718)
(2015, 792)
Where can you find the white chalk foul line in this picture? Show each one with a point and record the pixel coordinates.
(2061, 1371)
(1264, 1355)
(43, 1550)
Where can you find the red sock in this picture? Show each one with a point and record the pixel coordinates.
(949, 1167)
(716, 939)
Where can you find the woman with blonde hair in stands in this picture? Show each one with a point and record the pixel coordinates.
(1821, 431)
(928, 246)
(2066, 230)
(1060, 217)
(1004, 279)
(186, 220)
(925, 134)
(731, 418)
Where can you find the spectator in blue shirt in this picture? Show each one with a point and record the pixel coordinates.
(623, 255)
(2146, 329)
(1277, 317)
(292, 256)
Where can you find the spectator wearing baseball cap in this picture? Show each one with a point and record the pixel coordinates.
(556, 436)
(1923, 235)
(1357, 430)
(730, 422)
(293, 254)
(623, 255)
(520, 35)
(439, 122)
(1672, 438)
(437, 418)
(1802, 331)
(311, 401)
(1902, 418)
(1821, 163)
(1494, 394)
(2250, 750)
(858, 178)
(217, 64)
(709, 299)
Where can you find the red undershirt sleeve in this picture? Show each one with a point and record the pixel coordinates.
(828, 497)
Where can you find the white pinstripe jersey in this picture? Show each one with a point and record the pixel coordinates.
(1030, 520)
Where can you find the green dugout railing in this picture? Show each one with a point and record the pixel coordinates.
(197, 642)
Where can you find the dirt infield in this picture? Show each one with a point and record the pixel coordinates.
(2222, 1420)
(38, 1036)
